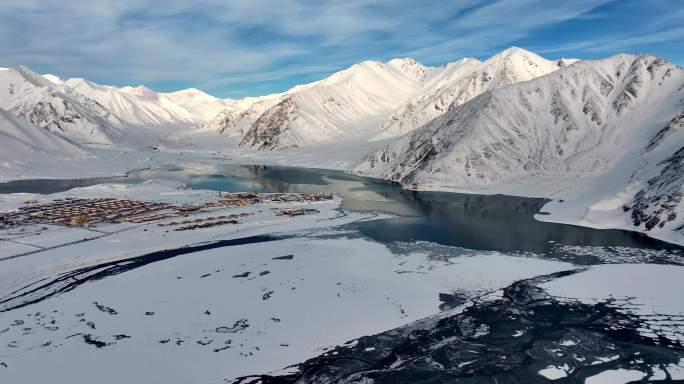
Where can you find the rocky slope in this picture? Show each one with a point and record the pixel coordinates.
(25, 145)
(236, 119)
(659, 202)
(57, 108)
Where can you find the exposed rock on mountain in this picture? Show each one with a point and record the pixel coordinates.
(659, 203)
(567, 121)
(25, 145)
(597, 128)
(350, 102)
(57, 108)
(269, 129)
(236, 119)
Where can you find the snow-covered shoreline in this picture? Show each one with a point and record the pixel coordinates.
(298, 295)
(566, 205)
(242, 309)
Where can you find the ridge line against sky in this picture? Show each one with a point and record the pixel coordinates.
(243, 48)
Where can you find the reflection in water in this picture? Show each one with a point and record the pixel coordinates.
(486, 222)
(497, 222)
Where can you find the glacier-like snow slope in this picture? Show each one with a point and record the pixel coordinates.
(56, 108)
(605, 135)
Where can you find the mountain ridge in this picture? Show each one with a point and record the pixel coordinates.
(562, 127)
(604, 136)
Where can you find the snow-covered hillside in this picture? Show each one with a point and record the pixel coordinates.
(350, 102)
(135, 106)
(589, 131)
(56, 108)
(460, 81)
(26, 146)
(141, 106)
(381, 99)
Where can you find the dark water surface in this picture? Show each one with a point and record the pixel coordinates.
(483, 222)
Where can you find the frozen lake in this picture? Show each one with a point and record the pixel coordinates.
(483, 222)
(414, 286)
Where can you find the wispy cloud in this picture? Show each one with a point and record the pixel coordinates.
(619, 42)
(241, 47)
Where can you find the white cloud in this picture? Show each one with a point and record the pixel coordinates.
(218, 43)
(619, 43)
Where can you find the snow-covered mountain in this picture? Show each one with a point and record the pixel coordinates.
(538, 125)
(25, 145)
(57, 108)
(462, 80)
(202, 106)
(237, 118)
(142, 107)
(350, 102)
(612, 125)
(369, 99)
(135, 106)
(604, 136)
(388, 99)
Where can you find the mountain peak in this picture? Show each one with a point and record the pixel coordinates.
(513, 53)
(141, 91)
(31, 76)
(513, 50)
(402, 61)
(190, 93)
(564, 62)
(408, 66)
(515, 64)
(76, 82)
(52, 78)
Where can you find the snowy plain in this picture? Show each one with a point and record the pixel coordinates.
(225, 312)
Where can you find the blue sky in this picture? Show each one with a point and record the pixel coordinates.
(242, 48)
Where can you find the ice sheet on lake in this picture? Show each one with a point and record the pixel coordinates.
(234, 311)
